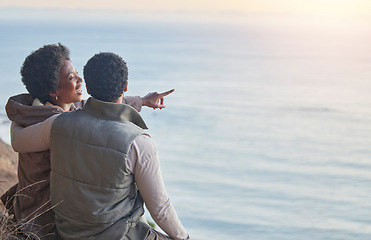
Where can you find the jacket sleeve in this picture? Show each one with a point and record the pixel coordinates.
(34, 138)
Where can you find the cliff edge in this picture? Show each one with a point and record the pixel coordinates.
(8, 166)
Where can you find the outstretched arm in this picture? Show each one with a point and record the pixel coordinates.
(152, 100)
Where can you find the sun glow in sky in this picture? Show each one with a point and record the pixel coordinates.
(318, 7)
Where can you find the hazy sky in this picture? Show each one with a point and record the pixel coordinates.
(321, 7)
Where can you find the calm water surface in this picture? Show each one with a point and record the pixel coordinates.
(268, 134)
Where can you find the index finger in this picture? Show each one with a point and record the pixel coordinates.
(166, 93)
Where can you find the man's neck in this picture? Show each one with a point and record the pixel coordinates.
(119, 100)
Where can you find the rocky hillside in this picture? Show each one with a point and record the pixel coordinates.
(8, 167)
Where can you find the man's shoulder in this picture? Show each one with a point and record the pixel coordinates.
(144, 142)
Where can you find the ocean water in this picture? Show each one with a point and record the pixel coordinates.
(268, 133)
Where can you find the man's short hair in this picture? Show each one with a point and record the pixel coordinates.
(106, 76)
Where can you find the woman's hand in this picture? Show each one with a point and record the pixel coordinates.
(155, 100)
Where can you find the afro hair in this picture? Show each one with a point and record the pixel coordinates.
(40, 70)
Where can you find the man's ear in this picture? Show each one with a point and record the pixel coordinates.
(87, 90)
(126, 87)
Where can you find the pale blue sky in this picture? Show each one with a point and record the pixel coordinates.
(319, 7)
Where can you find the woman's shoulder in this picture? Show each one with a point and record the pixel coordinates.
(20, 109)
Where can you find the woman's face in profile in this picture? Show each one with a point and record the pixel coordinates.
(70, 84)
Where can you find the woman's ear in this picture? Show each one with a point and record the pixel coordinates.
(53, 97)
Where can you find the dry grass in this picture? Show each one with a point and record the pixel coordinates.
(11, 229)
